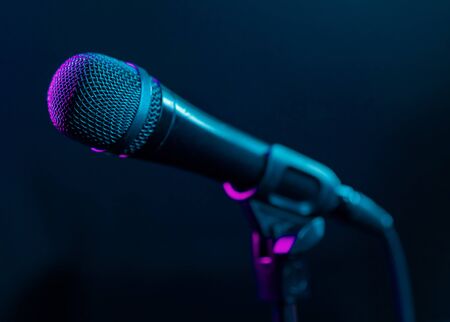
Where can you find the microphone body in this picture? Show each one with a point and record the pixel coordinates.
(117, 107)
(189, 138)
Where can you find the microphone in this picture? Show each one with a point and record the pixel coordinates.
(115, 106)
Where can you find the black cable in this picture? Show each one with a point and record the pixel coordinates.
(363, 211)
(400, 276)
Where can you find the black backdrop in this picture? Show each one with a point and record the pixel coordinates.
(362, 86)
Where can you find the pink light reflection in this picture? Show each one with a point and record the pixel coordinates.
(284, 244)
(237, 195)
(123, 156)
(97, 150)
(265, 260)
(132, 65)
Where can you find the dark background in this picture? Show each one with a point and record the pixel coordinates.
(362, 86)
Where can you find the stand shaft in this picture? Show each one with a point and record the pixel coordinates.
(285, 313)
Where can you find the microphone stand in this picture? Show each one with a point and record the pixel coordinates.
(284, 226)
(279, 239)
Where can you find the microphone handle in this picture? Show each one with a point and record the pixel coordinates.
(189, 138)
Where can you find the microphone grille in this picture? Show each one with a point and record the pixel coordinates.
(93, 98)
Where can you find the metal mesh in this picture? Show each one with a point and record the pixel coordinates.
(151, 121)
(93, 98)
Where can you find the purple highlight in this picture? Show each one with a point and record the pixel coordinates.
(256, 243)
(97, 150)
(265, 260)
(284, 244)
(123, 156)
(132, 65)
(238, 195)
(255, 239)
(58, 80)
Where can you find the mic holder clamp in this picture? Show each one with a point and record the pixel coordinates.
(297, 184)
(285, 217)
(279, 239)
(286, 213)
